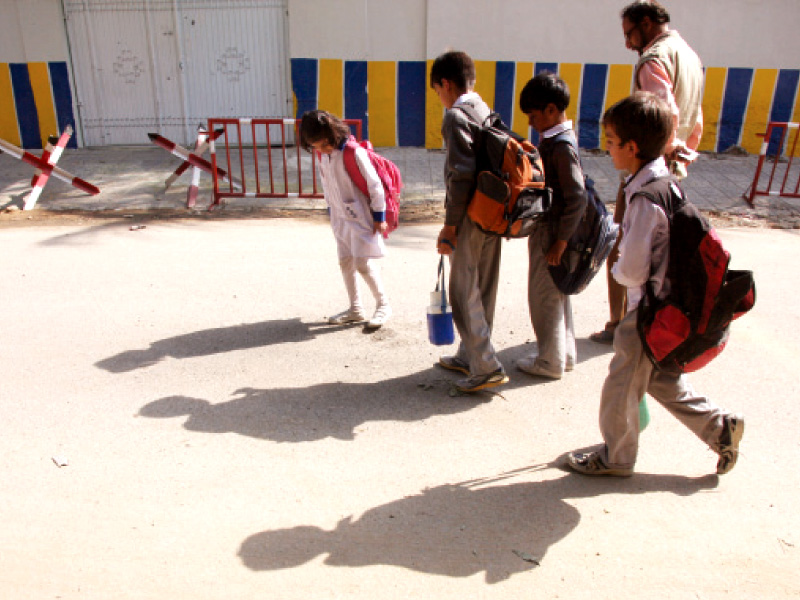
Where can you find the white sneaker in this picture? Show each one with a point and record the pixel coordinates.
(530, 366)
(348, 316)
(382, 314)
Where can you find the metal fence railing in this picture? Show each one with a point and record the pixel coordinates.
(781, 148)
(263, 159)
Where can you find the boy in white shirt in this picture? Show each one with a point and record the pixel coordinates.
(637, 130)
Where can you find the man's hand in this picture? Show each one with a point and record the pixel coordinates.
(379, 226)
(446, 242)
(553, 256)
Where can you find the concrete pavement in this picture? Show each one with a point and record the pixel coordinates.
(180, 422)
(132, 178)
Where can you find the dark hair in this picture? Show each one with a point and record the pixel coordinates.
(546, 88)
(645, 119)
(318, 125)
(454, 66)
(637, 11)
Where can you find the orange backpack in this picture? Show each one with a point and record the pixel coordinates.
(510, 196)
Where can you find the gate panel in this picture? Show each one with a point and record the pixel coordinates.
(124, 72)
(168, 65)
(236, 55)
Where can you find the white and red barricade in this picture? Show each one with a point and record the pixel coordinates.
(200, 146)
(46, 166)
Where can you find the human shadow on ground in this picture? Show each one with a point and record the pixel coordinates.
(457, 530)
(328, 410)
(316, 412)
(217, 341)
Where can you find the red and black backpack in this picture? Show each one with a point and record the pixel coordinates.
(689, 327)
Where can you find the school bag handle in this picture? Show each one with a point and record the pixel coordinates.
(440, 283)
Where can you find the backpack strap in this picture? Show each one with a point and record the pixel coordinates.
(659, 191)
(563, 137)
(473, 116)
(351, 166)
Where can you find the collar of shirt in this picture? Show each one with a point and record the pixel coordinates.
(467, 96)
(555, 130)
(652, 170)
(660, 36)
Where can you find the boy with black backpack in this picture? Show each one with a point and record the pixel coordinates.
(544, 99)
(637, 130)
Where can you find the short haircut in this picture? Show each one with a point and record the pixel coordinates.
(637, 11)
(544, 89)
(319, 125)
(645, 119)
(454, 66)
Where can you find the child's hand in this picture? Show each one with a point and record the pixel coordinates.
(553, 257)
(379, 226)
(446, 242)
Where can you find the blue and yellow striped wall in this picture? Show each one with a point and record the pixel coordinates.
(403, 111)
(35, 103)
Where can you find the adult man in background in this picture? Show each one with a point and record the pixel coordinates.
(669, 68)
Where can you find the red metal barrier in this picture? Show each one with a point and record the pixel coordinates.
(783, 155)
(259, 153)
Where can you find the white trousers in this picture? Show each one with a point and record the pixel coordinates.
(370, 272)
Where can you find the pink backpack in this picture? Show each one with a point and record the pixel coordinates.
(388, 173)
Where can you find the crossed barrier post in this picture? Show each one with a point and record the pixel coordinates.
(46, 166)
(192, 159)
(201, 145)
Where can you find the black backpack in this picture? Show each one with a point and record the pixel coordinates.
(689, 327)
(591, 243)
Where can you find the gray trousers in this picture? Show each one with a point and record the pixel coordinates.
(474, 275)
(630, 375)
(551, 311)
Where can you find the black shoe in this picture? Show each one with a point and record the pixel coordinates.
(453, 363)
(481, 382)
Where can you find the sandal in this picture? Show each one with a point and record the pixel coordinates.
(606, 336)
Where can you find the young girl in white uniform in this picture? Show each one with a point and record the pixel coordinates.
(358, 222)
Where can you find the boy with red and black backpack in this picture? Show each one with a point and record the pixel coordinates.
(637, 130)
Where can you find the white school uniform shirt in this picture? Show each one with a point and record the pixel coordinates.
(556, 129)
(351, 211)
(644, 250)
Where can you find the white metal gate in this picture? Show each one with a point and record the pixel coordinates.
(166, 66)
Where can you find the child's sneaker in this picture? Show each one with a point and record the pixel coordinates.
(532, 366)
(349, 316)
(732, 431)
(593, 464)
(382, 314)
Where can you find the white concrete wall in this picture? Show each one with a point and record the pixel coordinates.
(740, 33)
(32, 31)
(358, 29)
